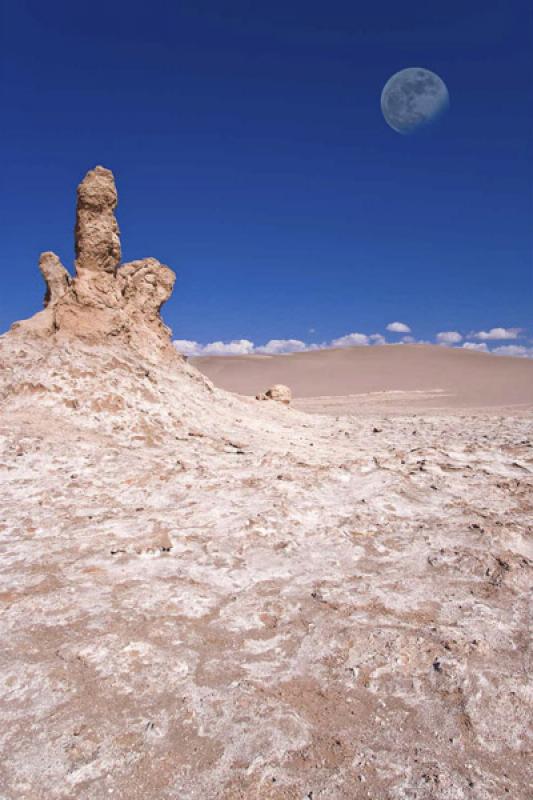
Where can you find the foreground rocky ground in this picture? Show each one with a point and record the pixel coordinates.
(209, 597)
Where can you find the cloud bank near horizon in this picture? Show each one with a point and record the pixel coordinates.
(497, 334)
(449, 337)
(243, 347)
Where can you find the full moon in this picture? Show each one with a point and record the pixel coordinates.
(413, 98)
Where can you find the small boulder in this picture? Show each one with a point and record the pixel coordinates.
(278, 392)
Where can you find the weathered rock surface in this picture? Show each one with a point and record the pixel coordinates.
(55, 276)
(105, 298)
(279, 392)
(97, 239)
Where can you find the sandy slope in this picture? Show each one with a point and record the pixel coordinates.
(217, 599)
(419, 376)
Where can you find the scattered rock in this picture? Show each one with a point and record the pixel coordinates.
(278, 392)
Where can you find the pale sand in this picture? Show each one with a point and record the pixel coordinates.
(388, 378)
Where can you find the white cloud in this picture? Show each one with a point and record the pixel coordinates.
(350, 340)
(408, 340)
(497, 333)
(356, 340)
(479, 346)
(449, 337)
(238, 347)
(398, 327)
(276, 346)
(187, 348)
(513, 350)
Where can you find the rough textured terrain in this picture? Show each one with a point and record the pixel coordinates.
(208, 597)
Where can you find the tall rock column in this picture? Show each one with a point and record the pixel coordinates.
(97, 237)
(96, 293)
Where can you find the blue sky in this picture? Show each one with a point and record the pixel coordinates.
(251, 156)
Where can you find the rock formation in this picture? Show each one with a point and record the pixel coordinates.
(278, 392)
(105, 298)
(97, 239)
(55, 276)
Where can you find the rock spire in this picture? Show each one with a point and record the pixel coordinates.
(97, 236)
(104, 298)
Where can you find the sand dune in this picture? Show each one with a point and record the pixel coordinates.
(388, 377)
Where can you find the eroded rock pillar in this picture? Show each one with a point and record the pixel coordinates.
(97, 236)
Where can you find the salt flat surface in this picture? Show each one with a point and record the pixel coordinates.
(211, 597)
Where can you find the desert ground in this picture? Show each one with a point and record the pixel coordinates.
(210, 597)
(394, 379)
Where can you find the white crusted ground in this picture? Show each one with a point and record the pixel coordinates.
(205, 597)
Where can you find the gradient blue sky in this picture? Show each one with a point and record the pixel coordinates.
(251, 156)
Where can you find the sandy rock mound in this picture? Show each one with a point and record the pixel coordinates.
(98, 357)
